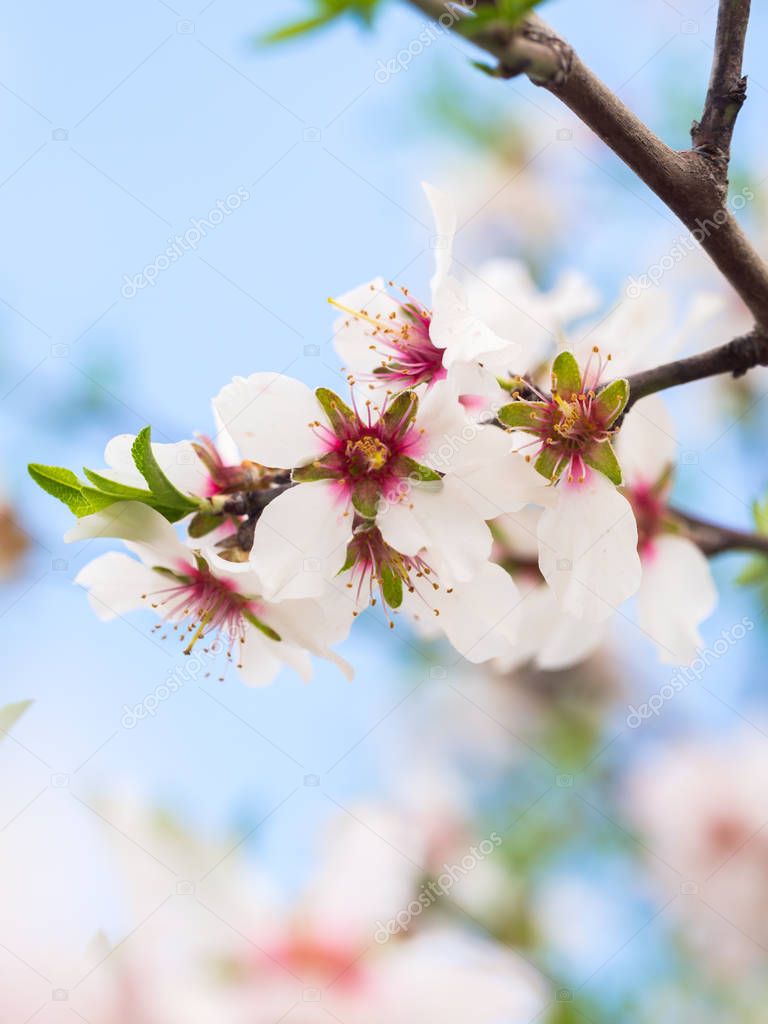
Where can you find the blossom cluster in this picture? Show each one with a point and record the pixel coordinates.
(476, 475)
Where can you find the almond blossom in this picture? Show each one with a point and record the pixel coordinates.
(587, 532)
(421, 468)
(399, 343)
(203, 599)
(493, 322)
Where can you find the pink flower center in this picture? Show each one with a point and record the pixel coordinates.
(402, 340)
(208, 603)
(361, 449)
(650, 508)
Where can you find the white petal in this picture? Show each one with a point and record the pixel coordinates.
(588, 548)
(354, 337)
(315, 624)
(258, 661)
(677, 593)
(461, 332)
(480, 618)
(444, 214)
(268, 416)
(647, 443)
(300, 541)
(117, 584)
(436, 517)
(178, 461)
(138, 523)
(494, 478)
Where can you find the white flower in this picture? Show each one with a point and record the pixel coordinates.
(397, 343)
(422, 469)
(203, 597)
(677, 591)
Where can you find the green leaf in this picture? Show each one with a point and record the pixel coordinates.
(602, 457)
(325, 13)
(340, 416)
(521, 415)
(549, 463)
(754, 574)
(159, 484)
(123, 492)
(566, 375)
(612, 401)
(403, 466)
(262, 626)
(202, 523)
(401, 412)
(365, 497)
(391, 587)
(62, 484)
(10, 714)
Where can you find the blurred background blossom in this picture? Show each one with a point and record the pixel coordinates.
(233, 854)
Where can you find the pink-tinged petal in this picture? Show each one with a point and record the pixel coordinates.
(116, 584)
(588, 549)
(148, 533)
(647, 443)
(268, 416)
(444, 215)
(677, 593)
(300, 541)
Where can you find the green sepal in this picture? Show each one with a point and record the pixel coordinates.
(349, 561)
(161, 487)
(62, 484)
(365, 497)
(340, 416)
(401, 412)
(549, 464)
(391, 587)
(403, 466)
(262, 626)
(521, 415)
(612, 401)
(202, 523)
(178, 577)
(321, 469)
(602, 457)
(566, 375)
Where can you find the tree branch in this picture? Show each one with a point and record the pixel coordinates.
(689, 182)
(735, 357)
(727, 87)
(714, 539)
